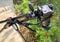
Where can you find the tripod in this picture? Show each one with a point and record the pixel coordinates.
(13, 22)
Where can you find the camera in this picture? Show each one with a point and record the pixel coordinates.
(43, 14)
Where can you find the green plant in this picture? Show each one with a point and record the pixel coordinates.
(23, 6)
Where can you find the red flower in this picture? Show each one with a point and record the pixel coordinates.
(47, 35)
(52, 17)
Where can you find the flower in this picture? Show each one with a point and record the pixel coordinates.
(52, 17)
(47, 35)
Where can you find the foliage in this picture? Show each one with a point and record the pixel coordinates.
(23, 6)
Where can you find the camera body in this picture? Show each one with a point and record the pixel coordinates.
(46, 11)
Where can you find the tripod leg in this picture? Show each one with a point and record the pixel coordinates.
(16, 28)
(26, 25)
(5, 26)
(30, 29)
